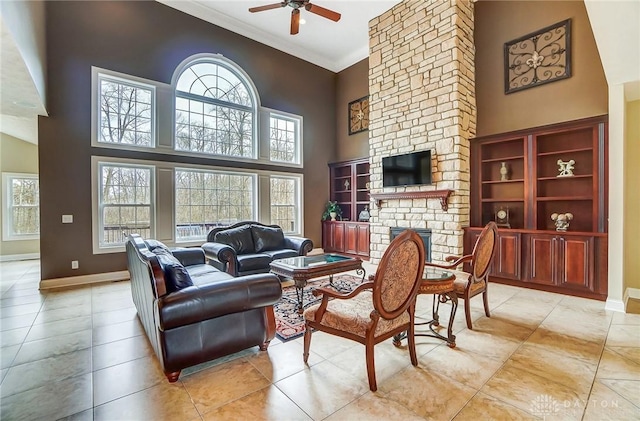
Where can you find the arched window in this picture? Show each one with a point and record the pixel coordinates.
(216, 108)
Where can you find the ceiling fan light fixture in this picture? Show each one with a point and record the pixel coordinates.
(296, 21)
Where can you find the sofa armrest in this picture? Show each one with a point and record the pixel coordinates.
(299, 244)
(221, 256)
(189, 256)
(197, 303)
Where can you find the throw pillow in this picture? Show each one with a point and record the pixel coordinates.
(155, 245)
(240, 239)
(267, 238)
(175, 275)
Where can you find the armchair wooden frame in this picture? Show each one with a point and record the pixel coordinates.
(468, 285)
(394, 290)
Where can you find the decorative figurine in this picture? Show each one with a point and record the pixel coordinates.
(504, 172)
(566, 168)
(346, 184)
(562, 220)
(364, 215)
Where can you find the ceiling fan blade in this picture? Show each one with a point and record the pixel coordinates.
(267, 7)
(325, 13)
(295, 21)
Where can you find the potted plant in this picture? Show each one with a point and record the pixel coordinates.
(332, 211)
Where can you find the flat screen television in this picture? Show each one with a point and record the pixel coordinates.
(407, 170)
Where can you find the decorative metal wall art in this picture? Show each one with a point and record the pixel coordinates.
(540, 57)
(359, 115)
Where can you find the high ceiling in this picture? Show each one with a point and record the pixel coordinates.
(332, 45)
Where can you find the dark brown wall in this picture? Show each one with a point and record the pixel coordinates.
(582, 95)
(352, 83)
(148, 39)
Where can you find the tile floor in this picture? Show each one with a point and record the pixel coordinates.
(81, 354)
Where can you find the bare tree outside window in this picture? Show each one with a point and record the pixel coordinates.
(283, 135)
(206, 199)
(22, 209)
(126, 115)
(125, 203)
(214, 112)
(283, 203)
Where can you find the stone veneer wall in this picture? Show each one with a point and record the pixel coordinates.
(422, 96)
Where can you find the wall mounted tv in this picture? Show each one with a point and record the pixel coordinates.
(407, 170)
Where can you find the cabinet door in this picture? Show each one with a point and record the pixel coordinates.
(351, 238)
(338, 236)
(506, 262)
(362, 244)
(575, 262)
(541, 265)
(327, 237)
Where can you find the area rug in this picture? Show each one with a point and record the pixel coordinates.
(290, 324)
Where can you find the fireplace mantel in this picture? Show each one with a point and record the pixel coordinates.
(443, 195)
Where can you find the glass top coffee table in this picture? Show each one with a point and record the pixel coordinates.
(302, 268)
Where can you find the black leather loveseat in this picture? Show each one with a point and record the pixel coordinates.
(248, 247)
(191, 311)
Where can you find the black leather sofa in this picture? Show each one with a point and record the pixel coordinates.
(191, 311)
(248, 247)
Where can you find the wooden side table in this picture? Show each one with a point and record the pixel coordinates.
(439, 283)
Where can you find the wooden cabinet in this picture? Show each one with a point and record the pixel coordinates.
(346, 237)
(572, 263)
(566, 261)
(349, 187)
(522, 173)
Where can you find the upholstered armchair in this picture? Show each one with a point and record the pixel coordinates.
(468, 285)
(375, 310)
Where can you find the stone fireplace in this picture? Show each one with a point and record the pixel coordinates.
(422, 96)
(425, 234)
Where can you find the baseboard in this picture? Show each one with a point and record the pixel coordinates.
(95, 278)
(614, 305)
(632, 300)
(17, 257)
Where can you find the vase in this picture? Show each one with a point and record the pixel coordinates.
(333, 215)
(503, 172)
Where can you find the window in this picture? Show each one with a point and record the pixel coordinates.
(284, 202)
(125, 200)
(283, 138)
(215, 111)
(21, 213)
(125, 112)
(205, 199)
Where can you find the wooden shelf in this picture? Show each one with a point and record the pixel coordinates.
(561, 198)
(520, 180)
(565, 151)
(443, 195)
(506, 158)
(565, 178)
(488, 200)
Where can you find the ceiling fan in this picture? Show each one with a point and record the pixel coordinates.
(295, 13)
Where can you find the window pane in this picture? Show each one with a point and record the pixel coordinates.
(206, 199)
(126, 115)
(283, 139)
(125, 200)
(221, 121)
(222, 131)
(23, 207)
(284, 201)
